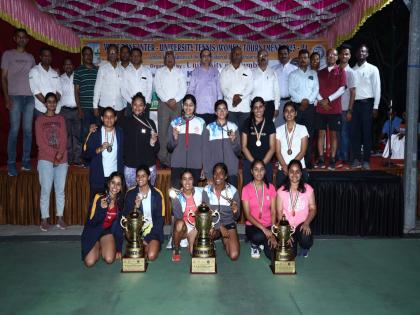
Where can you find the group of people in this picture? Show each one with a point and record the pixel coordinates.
(237, 116)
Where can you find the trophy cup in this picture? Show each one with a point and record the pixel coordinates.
(284, 260)
(134, 260)
(203, 258)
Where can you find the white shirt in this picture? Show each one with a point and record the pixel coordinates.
(266, 85)
(42, 81)
(109, 159)
(170, 84)
(146, 205)
(67, 87)
(303, 85)
(283, 72)
(351, 83)
(137, 80)
(237, 81)
(299, 133)
(107, 91)
(368, 83)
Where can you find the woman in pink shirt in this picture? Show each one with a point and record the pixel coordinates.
(259, 204)
(51, 139)
(296, 201)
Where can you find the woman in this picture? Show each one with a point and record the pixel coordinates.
(103, 149)
(51, 139)
(150, 202)
(315, 61)
(296, 201)
(258, 140)
(223, 197)
(141, 144)
(259, 206)
(291, 143)
(185, 201)
(102, 234)
(186, 141)
(222, 144)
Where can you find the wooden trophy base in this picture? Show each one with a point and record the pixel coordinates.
(279, 267)
(134, 264)
(203, 265)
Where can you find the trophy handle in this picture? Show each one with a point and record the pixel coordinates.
(190, 213)
(214, 213)
(274, 229)
(123, 223)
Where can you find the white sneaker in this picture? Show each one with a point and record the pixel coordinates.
(184, 243)
(255, 252)
(169, 246)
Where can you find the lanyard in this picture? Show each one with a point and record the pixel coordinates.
(260, 201)
(289, 139)
(293, 203)
(146, 124)
(258, 134)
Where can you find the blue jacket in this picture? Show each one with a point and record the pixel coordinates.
(158, 211)
(93, 229)
(96, 169)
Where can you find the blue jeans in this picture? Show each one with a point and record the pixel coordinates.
(21, 106)
(49, 174)
(343, 145)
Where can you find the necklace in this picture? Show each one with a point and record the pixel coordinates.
(289, 139)
(293, 203)
(260, 201)
(258, 134)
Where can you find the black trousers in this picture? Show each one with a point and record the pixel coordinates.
(257, 237)
(361, 129)
(304, 241)
(269, 110)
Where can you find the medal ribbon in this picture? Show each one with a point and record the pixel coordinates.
(293, 203)
(146, 124)
(258, 134)
(289, 140)
(112, 139)
(260, 202)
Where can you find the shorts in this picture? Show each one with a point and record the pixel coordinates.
(230, 226)
(189, 227)
(333, 121)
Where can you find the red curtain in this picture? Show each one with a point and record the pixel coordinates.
(33, 47)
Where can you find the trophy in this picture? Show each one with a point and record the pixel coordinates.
(284, 259)
(203, 258)
(134, 260)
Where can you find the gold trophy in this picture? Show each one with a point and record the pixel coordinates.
(134, 260)
(204, 256)
(284, 260)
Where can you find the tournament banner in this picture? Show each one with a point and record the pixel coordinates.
(187, 51)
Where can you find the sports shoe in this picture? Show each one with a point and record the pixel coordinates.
(44, 225)
(331, 165)
(26, 167)
(61, 224)
(11, 170)
(366, 166)
(176, 256)
(320, 163)
(184, 243)
(356, 164)
(169, 245)
(255, 251)
(304, 252)
(339, 164)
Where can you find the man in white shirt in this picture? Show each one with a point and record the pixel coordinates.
(136, 78)
(236, 84)
(70, 112)
(42, 80)
(368, 95)
(283, 69)
(303, 90)
(347, 101)
(266, 85)
(170, 86)
(107, 91)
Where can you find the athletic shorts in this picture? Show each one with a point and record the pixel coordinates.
(332, 121)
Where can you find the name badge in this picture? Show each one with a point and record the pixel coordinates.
(310, 77)
(143, 78)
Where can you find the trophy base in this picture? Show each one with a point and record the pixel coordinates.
(134, 264)
(201, 265)
(279, 267)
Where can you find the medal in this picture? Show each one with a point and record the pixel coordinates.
(260, 200)
(258, 134)
(293, 203)
(109, 148)
(289, 152)
(289, 138)
(258, 143)
(143, 130)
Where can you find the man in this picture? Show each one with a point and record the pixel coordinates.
(107, 91)
(171, 86)
(70, 112)
(283, 69)
(236, 83)
(332, 83)
(368, 95)
(205, 86)
(15, 67)
(347, 101)
(266, 85)
(303, 90)
(42, 80)
(136, 78)
(124, 56)
(84, 84)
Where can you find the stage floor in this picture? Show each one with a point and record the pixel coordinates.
(340, 276)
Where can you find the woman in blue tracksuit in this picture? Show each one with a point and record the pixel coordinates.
(102, 234)
(151, 203)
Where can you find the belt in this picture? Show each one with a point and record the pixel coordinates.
(69, 108)
(285, 98)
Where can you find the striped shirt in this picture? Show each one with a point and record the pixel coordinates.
(85, 78)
